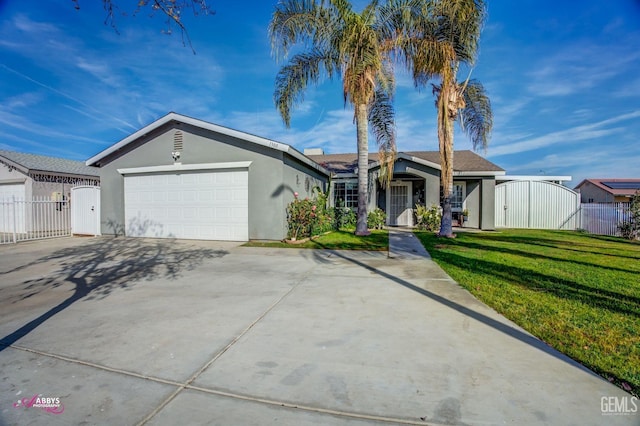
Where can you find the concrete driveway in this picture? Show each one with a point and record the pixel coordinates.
(131, 331)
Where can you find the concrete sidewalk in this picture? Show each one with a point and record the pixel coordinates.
(205, 333)
(404, 245)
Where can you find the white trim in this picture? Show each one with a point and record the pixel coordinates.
(172, 116)
(418, 160)
(408, 205)
(472, 173)
(185, 167)
(13, 181)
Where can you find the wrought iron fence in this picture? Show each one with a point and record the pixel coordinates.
(604, 218)
(39, 218)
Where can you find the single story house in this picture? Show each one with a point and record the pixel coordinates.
(29, 176)
(416, 180)
(607, 190)
(187, 178)
(28, 179)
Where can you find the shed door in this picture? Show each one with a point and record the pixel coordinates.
(203, 205)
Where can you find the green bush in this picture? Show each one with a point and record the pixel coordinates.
(630, 228)
(345, 218)
(376, 219)
(428, 219)
(307, 217)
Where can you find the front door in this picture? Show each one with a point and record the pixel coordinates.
(399, 202)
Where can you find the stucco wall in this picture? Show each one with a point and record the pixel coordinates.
(297, 177)
(589, 193)
(472, 203)
(6, 174)
(430, 175)
(16, 176)
(268, 183)
(488, 200)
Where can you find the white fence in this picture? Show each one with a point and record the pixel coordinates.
(544, 205)
(603, 219)
(39, 218)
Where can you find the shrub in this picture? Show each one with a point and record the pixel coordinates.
(376, 219)
(630, 228)
(306, 218)
(428, 218)
(325, 217)
(344, 217)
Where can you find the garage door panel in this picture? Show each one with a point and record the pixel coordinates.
(200, 205)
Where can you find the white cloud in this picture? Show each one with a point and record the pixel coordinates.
(577, 68)
(568, 136)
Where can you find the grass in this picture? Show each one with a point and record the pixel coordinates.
(336, 240)
(580, 293)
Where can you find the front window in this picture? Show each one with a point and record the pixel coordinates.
(345, 194)
(457, 196)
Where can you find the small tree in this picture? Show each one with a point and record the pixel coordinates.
(630, 228)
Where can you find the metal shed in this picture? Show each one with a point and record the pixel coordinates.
(536, 204)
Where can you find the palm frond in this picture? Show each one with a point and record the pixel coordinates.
(299, 21)
(476, 118)
(381, 116)
(461, 22)
(293, 79)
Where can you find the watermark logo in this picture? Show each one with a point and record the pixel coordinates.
(619, 406)
(48, 404)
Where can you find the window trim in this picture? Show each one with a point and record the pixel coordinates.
(462, 184)
(354, 182)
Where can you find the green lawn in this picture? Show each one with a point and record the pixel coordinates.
(336, 240)
(580, 293)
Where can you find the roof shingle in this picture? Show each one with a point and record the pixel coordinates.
(42, 163)
(463, 161)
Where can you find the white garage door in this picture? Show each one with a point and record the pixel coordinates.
(203, 205)
(8, 193)
(11, 190)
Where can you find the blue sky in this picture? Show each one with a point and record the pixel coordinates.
(563, 77)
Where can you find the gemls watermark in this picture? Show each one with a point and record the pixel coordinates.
(619, 406)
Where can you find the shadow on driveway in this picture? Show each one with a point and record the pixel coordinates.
(484, 319)
(106, 264)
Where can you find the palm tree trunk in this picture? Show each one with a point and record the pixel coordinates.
(363, 168)
(446, 117)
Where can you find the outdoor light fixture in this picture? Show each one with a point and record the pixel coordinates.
(175, 155)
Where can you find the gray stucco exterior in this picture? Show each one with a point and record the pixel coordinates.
(276, 172)
(423, 175)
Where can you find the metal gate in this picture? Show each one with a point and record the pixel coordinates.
(536, 205)
(34, 219)
(85, 210)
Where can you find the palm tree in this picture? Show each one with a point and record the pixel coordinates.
(334, 41)
(442, 37)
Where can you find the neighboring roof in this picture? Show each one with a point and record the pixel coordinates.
(174, 117)
(28, 163)
(463, 161)
(614, 186)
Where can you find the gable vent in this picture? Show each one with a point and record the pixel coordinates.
(177, 140)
